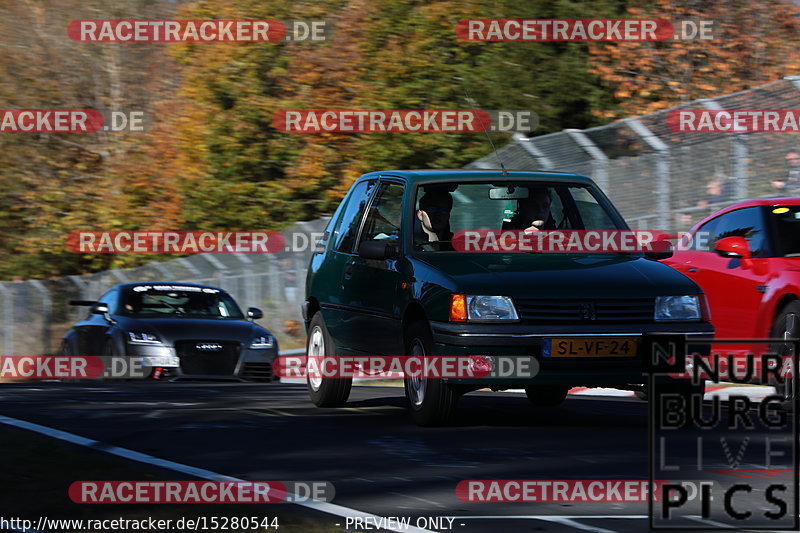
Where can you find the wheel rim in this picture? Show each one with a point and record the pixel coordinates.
(790, 332)
(417, 384)
(314, 355)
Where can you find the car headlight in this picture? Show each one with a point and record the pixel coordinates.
(471, 308)
(262, 342)
(687, 307)
(139, 337)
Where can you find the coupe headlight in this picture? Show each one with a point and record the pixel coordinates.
(262, 342)
(676, 308)
(138, 337)
(481, 308)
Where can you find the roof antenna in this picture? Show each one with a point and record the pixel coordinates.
(470, 102)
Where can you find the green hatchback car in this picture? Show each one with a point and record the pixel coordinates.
(387, 279)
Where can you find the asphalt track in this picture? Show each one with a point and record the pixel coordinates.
(377, 460)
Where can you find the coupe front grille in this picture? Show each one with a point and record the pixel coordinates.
(209, 363)
(581, 310)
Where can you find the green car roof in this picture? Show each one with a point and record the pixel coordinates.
(414, 176)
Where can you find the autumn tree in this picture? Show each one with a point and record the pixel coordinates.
(752, 43)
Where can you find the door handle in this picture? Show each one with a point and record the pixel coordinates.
(692, 270)
(348, 272)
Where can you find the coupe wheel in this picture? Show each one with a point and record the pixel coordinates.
(324, 391)
(432, 401)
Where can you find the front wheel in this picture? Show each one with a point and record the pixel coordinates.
(432, 401)
(787, 327)
(324, 391)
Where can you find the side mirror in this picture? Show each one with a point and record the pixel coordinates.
(377, 250)
(100, 309)
(85, 303)
(254, 313)
(659, 249)
(734, 248)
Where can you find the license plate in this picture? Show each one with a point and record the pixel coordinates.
(617, 347)
(160, 360)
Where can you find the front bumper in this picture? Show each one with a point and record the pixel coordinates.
(523, 340)
(251, 364)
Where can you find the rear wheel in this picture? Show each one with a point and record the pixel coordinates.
(324, 391)
(432, 401)
(787, 326)
(547, 395)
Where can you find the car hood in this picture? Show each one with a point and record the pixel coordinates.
(560, 275)
(170, 330)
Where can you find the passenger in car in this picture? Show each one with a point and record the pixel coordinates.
(434, 220)
(533, 213)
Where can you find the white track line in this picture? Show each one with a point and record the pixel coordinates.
(325, 507)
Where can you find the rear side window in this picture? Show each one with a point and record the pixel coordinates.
(702, 238)
(344, 237)
(747, 223)
(385, 215)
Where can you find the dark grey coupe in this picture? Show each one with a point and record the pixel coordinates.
(175, 330)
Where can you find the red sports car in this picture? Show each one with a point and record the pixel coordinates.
(746, 258)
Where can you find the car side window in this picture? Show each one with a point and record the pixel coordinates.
(747, 223)
(345, 234)
(702, 238)
(385, 215)
(592, 214)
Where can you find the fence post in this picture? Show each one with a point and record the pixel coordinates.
(119, 275)
(738, 153)
(599, 159)
(47, 313)
(249, 293)
(527, 144)
(189, 266)
(8, 320)
(663, 207)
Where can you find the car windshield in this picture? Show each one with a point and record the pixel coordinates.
(443, 209)
(178, 301)
(786, 219)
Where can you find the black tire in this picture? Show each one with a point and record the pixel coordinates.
(66, 349)
(786, 326)
(547, 395)
(324, 392)
(432, 401)
(110, 349)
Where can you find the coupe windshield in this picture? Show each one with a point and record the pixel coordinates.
(177, 300)
(443, 209)
(787, 229)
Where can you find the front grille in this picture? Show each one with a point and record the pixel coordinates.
(581, 310)
(257, 372)
(209, 363)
